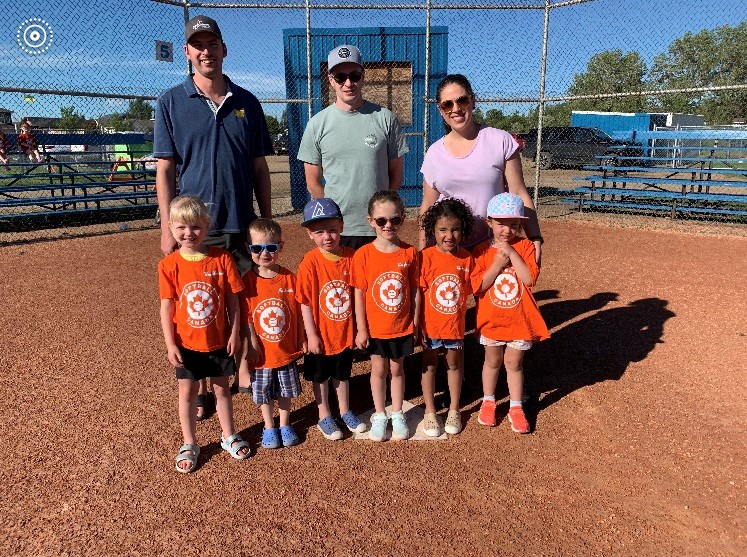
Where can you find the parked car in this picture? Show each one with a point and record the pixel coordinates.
(577, 146)
(280, 144)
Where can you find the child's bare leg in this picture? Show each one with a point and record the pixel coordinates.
(397, 369)
(321, 395)
(223, 405)
(490, 369)
(342, 389)
(379, 371)
(428, 380)
(244, 371)
(455, 362)
(284, 404)
(514, 362)
(268, 411)
(188, 414)
(202, 390)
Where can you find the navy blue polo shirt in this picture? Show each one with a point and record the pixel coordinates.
(214, 153)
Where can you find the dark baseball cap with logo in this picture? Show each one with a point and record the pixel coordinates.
(202, 24)
(320, 209)
(344, 53)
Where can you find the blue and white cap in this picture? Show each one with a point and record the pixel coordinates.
(320, 209)
(344, 53)
(506, 206)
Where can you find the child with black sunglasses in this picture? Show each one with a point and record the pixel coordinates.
(387, 300)
(271, 318)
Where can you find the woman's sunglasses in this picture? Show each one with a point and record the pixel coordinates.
(394, 221)
(461, 102)
(342, 77)
(259, 248)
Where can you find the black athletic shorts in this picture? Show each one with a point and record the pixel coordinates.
(392, 348)
(199, 365)
(320, 367)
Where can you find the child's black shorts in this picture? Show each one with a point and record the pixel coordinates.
(319, 367)
(392, 348)
(199, 365)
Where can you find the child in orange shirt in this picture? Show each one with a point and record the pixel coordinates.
(271, 317)
(387, 308)
(445, 285)
(508, 319)
(326, 298)
(199, 288)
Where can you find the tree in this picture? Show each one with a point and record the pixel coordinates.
(69, 119)
(273, 125)
(709, 58)
(139, 110)
(284, 121)
(611, 71)
(553, 115)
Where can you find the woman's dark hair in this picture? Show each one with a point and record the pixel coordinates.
(453, 79)
(386, 196)
(449, 207)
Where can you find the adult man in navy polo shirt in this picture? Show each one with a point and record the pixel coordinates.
(213, 133)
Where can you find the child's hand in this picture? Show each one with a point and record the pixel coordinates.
(361, 340)
(305, 347)
(174, 355)
(254, 351)
(315, 344)
(233, 346)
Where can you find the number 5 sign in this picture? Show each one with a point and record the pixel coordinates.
(164, 51)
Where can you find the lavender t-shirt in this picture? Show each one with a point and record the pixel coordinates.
(474, 178)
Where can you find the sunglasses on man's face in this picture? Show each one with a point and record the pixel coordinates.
(461, 102)
(394, 221)
(341, 77)
(259, 248)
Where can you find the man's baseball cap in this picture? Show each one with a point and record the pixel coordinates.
(202, 24)
(320, 209)
(344, 53)
(506, 206)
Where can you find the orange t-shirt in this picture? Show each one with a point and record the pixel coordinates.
(199, 290)
(445, 283)
(324, 286)
(270, 304)
(386, 279)
(508, 311)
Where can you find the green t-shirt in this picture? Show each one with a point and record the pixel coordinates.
(354, 149)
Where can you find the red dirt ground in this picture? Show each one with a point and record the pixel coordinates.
(638, 449)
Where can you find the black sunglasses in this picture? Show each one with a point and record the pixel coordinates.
(341, 77)
(394, 221)
(461, 102)
(259, 248)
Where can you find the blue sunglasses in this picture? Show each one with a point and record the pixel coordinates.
(259, 248)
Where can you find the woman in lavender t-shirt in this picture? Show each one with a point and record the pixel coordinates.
(473, 162)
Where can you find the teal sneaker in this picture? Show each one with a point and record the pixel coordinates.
(378, 426)
(400, 432)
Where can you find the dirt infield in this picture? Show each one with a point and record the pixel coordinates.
(638, 449)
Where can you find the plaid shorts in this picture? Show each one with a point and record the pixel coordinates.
(269, 384)
(515, 344)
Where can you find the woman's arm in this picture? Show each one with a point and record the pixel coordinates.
(430, 196)
(514, 176)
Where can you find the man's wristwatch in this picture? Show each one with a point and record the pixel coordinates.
(537, 238)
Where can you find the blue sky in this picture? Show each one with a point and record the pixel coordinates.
(109, 45)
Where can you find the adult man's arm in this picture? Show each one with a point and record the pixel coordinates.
(262, 187)
(166, 191)
(314, 176)
(396, 170)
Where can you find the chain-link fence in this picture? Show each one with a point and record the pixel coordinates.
(591, 88)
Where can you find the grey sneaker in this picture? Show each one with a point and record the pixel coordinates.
(431, 427)
(400, 432)
(453, 423)
(378, 426)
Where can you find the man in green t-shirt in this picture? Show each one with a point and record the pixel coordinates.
(353, 148)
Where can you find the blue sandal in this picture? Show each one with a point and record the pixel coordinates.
(289, 436)
(191, 457)
(234, 444)
(271, 438)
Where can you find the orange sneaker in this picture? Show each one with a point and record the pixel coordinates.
(487, 413)
(518, 420)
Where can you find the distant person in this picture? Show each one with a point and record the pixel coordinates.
(4, 149)
(200, 318)
(508, 319)
(353, 148)
(273, 324)
(27, 142)
(326, 297)
(473, 162)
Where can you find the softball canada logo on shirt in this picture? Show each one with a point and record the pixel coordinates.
(445, 295)
(273, 318)
(506, 291)
(388, 292)
(200, 299)
(334, 300)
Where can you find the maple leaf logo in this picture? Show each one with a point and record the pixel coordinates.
(339, 299)
(448, 292)
(272, 319)
(393, 292)
(197, 304)
(505, 286)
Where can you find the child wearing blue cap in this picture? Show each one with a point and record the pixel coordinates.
(508, 319)
(326, 297)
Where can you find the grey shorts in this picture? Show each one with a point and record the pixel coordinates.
(269, 384)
